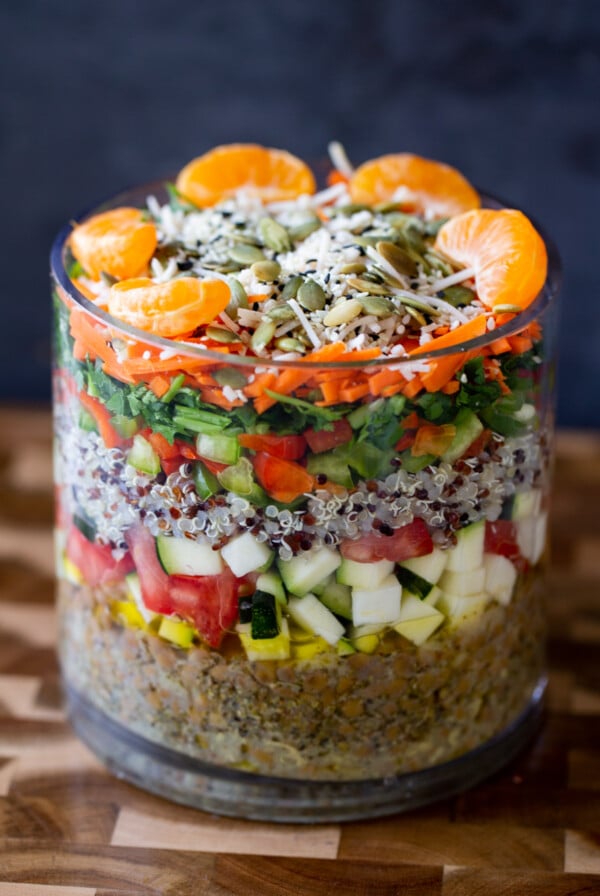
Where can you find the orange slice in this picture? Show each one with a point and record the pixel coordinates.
(168, 309)
(118, 242)
(270, 174)
(429, 187)
(505, 250)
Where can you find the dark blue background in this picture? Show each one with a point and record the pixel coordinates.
(96, 96)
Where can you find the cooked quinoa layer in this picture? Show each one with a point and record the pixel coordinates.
(363, 716)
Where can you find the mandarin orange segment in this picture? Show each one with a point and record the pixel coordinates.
(429, 187)
(119, 242)
(505, 250)
(270, 174)
(168, 309)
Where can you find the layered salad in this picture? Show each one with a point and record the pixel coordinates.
(302, 459)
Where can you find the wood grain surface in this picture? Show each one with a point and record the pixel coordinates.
(68, 828)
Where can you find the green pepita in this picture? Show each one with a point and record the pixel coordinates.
(432, 228)
(362, 285)
(372, 276)
(343, 312)
(305, 228)
(437, 263)
(274, 235)
(414, 302)
(291, 288)
(246, 238)
(365, 241)
(351, 208)
(266, 271)
(230, 376)
(355, 267)
(384, 208)
(220, 334)
(281, 313)
(311, 296)
(416, 315)
(398, 258)
(246, 255)
(289, 344)
(223, 267)
(263, 335)
(239, 297)
(386, 277)
(504, 307)
(377, 305)
(458, 296)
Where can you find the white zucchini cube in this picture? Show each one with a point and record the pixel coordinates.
(468, 581)
(303, 572)
(462, 608)
(311, 615)
(500, 577)
(531, 536)
(377, 605)
(364, 575)
(430, 567)
(417, 620)
(468, 553)
(244, 554)
(527, 504)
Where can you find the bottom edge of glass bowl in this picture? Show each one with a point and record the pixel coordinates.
(223, 791)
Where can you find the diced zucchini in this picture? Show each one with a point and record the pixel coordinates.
(468, 553)
(301, 573)
(272, 584)
(320, 587)
(277, 648)
(429, 567)
(462, 608)
(344, 647)
(377, 605)
(244, 554)
(309, 612)
(363, 575)
(417, 620)
(526, 504)
(86, 421)
(468, 428)
(415, 584)
(183, 557)
(264, 616)
(469, 581)
(531, 536)
(87, 529)
(366, 638)
(433, 597)
(337, 598)
(176, 631)
(143, 457)
(415, 464)
(225, 449)
(500, 577)
(134, 590)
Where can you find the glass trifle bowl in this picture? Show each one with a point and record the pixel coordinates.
(303, 448)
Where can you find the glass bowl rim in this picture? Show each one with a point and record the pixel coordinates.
(544, 299)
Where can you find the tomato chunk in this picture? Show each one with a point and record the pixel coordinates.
(325, 439)
(501, 538)
(95, 561)
(409, 541)
(284, 480)
(285, 447)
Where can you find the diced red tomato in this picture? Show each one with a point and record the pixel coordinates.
(325, 439)
(209, 602)
(284, 480)
(213, 465)
(501, 538)
(172, 464)
(94, 561)
(409, 541)
(285, 447)
(479, 444)
(163, 448)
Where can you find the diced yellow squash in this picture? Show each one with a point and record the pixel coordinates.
(277, 648)
(127, 613)
(176, 631)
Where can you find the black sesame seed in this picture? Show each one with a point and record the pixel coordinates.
(185, 265)
(321, 478)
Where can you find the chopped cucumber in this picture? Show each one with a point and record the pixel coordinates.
(321, 586)
(337, 598)
(301, 573)
(176, 631)
(415, 464)
(264, 622)
(272, 584)
(143, 457)
(531, 536)
(344, 647)
(468, 428)
(244, 554)
(309, 612)
(87, 529)
(183, 557)
(526, 504)
(460, 607)
(86, 421)
(363, 575)
(433, 597)
(276, 648)
(500, 577)
(125, 426)
(331, 466)
(206, 482)
(239, 479)
(377, 605)
(468, 553)
(468, 581)
(225, 449)
(361, 414)
(429, 567)
(417, 620)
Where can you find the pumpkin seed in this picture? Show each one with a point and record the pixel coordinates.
(267, 271)
(281, 313)
(274, 235)
(301, 231)
(343, 312)
(291, 288)
(377, 305)
(438, 263)
(220, 334)
(420, 306)
(398, 258)
(362, 285)
(386, 277)
(239, 298)
(372, 276)
(364, 241)
(458, 295)
(432, 228)
(311, 296)
(289, 344)
(355, 267)
(246, 255)
(416, 315)
(223, 267)
(504, 307)
(351, 208)
(245, 238)
(384, 208)
(230, 376)
(263, 335)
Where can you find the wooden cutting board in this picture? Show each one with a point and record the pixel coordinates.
(67, 828)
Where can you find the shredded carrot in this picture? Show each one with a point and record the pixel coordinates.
(477, 326)
(451, 387)
(413, 387)
(411, 421)
(383, 378)
(519, 344)
(215, 396)
(500, 346)
(336, 177)
(261, 382)
(354, 391)
(160, 385)
(441, 371)
(291, 378)
(441, 331)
